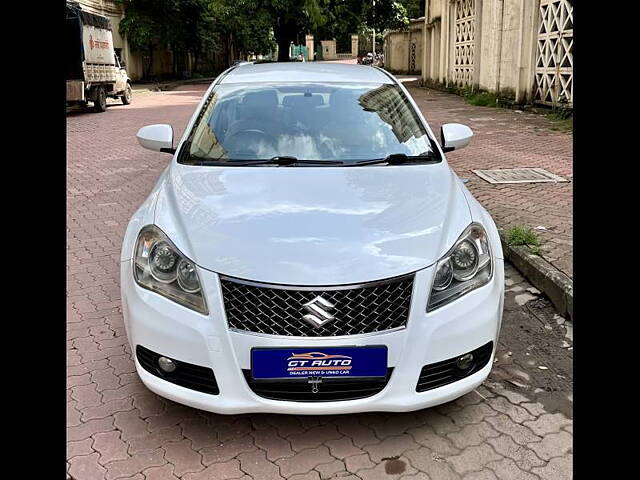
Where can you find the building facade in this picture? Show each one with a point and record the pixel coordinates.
(403, 50)
(519, 49)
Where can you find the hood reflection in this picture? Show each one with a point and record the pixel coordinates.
(306, 224)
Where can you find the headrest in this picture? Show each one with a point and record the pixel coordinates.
(346, 100)
(263, 98)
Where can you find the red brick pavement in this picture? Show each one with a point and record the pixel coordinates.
(508, 139)
(117, 429)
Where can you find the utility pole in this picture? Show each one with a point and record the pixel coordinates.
(373, 44)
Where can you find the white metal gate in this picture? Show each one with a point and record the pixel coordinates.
(412, 57)
(553, 82)
(463, 47)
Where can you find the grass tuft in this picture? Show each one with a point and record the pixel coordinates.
(481, 99)
(562, 117)
(561, 122)
(525, 236)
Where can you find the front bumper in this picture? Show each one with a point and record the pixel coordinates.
(177, 332)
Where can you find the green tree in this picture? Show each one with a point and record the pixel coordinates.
(342, 18)
(346, 17)
(246, 24)
(250, 26)
(197, 30)
(292, 18)
(385, 15)
(257, 26)
(415, 8)
(184, 26)
(141, 29)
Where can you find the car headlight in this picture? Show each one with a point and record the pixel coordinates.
(160, 267)
(465, 267)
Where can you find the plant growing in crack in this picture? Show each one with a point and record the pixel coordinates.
(524, 236)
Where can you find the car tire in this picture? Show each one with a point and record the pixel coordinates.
(128, 95)
(100, 103)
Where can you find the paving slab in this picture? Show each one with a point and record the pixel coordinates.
(507, 138)
(119, 429)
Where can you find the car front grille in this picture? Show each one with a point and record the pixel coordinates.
(279, 309)
(186, 375)
(330, 390)
(442, 373)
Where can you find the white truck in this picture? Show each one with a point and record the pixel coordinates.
(93, 70)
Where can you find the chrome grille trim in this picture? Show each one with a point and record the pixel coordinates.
(336, 337)
(277, 309)
(316, 288)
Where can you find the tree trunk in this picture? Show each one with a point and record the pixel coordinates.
(150, 66)
(232, 56)
(174, 61)
(285, 33)
(283, 48)
(226, 55)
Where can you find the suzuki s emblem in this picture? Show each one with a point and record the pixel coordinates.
(319, 312)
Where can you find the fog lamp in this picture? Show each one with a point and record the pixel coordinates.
(465, 361)
(166, 364)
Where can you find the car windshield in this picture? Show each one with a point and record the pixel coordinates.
(307, 121)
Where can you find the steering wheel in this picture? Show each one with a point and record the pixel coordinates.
(234, 138)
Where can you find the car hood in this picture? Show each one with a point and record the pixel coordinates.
(312, 225)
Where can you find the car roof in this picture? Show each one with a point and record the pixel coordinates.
(305, 72)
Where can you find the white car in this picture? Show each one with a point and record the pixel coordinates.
(308, 250)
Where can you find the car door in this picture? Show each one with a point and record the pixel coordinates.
(121, 76)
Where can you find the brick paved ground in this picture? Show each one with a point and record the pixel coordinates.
(518, 425)
(508, 139)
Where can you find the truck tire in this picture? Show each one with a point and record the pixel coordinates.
(100, 103)
(128, 95)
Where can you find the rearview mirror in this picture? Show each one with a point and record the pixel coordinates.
(454, 136)
(158, 138)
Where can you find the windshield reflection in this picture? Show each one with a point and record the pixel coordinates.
(306, 121)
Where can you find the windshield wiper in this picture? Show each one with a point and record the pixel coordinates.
(398, 159)
(288, 160)
(278, 160)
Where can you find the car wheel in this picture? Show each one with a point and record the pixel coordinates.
(100, 103)
(126, 98)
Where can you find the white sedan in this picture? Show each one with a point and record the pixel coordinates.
(309, 250)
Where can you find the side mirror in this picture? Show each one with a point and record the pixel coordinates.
(454, 136)
(158, 138)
